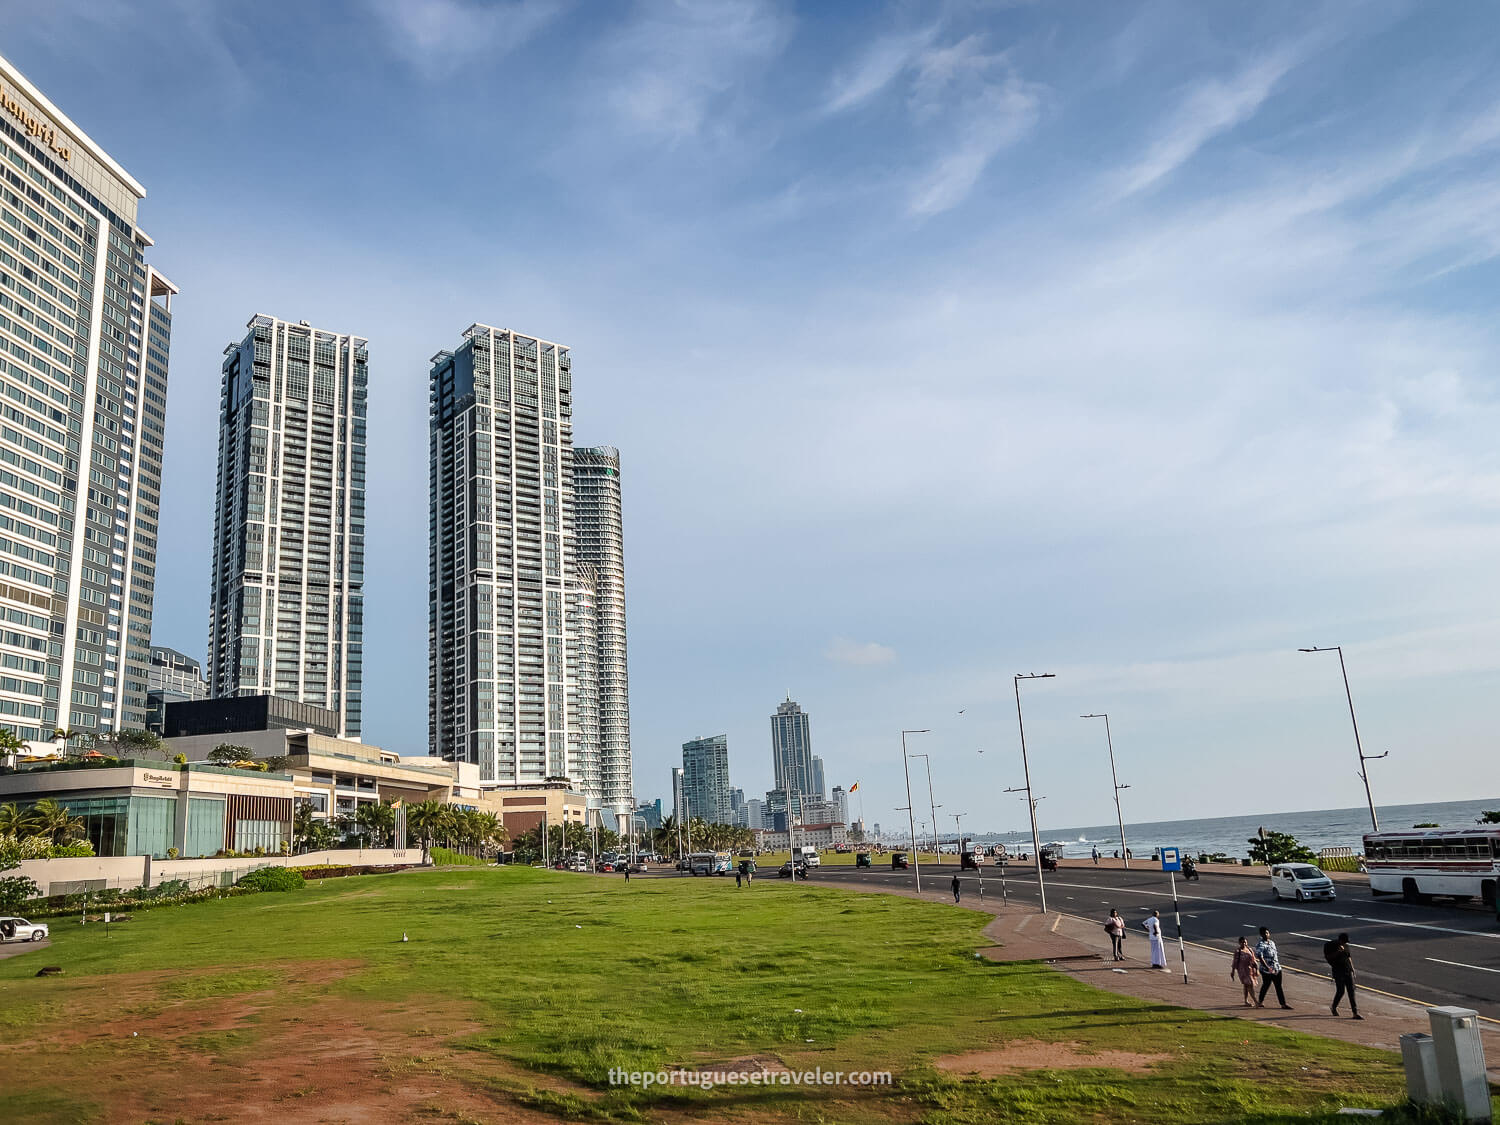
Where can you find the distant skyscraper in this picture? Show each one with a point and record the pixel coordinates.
(791, 748)
(818, 789)
(840, 801)
(287, 600)
(705, 779)
(85, 328)
(503, 660)
(677, 794)
(173, 677)
(755, 813)
(599, 533)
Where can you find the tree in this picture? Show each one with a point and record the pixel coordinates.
(136, 743)
(9, 743)
(48, 818)
(425, 820)
(14, 822)
(311, 832)
(1490, 816)
(377, 822)
(1279, 847)
(14, 889)
(227, 754)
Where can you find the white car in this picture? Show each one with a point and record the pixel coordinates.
(18, 929)
(1301, 881)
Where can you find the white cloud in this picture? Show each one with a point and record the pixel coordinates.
(1001, 116)
(867, 654)
(877, 68)
(438, 36)
(1209, 109)
(676, 64)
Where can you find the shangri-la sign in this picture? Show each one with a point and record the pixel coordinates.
(34, 126)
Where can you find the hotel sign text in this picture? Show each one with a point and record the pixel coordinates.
(34, 126)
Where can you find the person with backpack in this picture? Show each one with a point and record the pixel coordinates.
(1114, 925)
(1336, 953)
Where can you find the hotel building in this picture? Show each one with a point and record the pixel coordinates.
(85, 328)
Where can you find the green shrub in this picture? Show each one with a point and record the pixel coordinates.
(444, 857)
(272, 879)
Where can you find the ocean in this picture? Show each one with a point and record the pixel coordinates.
(1326, 828)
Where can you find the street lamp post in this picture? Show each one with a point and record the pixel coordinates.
(910, 816)
(936, 850)
(1364, 773)
(1036, 841)
(1119, 816)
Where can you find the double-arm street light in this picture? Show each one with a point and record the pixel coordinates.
(1364, 773)
(910, 816)
(927, 760)
(1036, 841)
(1119, 816)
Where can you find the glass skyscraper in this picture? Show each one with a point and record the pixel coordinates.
(791, 750)
(287, 600)
(503, 659)
(705, 779)
(85, 329)
(599, 531)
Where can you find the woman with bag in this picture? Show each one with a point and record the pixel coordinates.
(1114, 925)
(1243, 966)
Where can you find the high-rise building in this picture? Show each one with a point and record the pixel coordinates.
(705, 779)
(755, 813)
(85, 329)
(791, 748)
(503, 660)
(840, 801)
(677, 809)
(287, 601)
(598, 528)
(818, 783)
(172, 677)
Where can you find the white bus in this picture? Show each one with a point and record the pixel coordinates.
(709, 863)
(1421, 862)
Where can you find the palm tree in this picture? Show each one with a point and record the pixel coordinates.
(377, 821)
(48, 818)
(14, 822)
(425, 819)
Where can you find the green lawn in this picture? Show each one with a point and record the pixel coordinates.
(528, 986)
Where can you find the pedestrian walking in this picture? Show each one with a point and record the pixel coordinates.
(1244, 967)
(1270, 968)
(1114, 925)
(627, 872)
(956, 888)
(738, 880)
(1336, 953)
(1152, 926)
(1096, 855)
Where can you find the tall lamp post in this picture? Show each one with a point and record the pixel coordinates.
(1036, 842)
(1119, 816)
(936, 850)
(910, 816)
(1364, 773)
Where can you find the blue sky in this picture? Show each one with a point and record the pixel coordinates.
(1141, 344)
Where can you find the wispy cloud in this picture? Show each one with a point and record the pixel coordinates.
(438, 36)
(866, 654)
(1210, 108)
(674, 64)
(1001, 116)
(882, 62)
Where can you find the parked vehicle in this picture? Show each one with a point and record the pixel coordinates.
(786, 870)
(709, 863)
(809, 856)
(19, 929)
(899, 862)
(1301, 881)
(862, 859)
(968, 862)
(1462, 862)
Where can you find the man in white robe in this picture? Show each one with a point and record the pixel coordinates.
(1158, 947)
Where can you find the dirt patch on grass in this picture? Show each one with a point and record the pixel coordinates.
(1034, 1054)
(296, 1054)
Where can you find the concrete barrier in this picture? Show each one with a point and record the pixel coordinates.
(97, 873)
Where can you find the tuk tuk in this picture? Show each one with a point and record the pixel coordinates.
(862, 859)
(899, 861)
(968, 862)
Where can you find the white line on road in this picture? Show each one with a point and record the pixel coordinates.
(1315, 937)
(1461, 965)
(1303, 910)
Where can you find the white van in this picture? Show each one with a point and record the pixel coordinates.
(809, 856)
(1301, 881)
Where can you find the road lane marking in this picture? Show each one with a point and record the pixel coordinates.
(1315, 937)
(1303, 910)
(1461, 965)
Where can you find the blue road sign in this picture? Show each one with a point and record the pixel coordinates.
(1171, 859)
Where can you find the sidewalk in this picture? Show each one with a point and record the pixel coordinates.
(1081, 948)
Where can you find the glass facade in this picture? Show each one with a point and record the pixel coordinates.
(205, 827)
(252, 834)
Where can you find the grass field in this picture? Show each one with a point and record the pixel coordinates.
(519, 990)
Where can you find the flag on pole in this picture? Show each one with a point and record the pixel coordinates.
(854, 787)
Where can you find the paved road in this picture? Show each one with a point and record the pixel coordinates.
(16, 948)
(1433, 954)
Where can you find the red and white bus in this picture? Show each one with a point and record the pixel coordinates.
(1421, 862)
